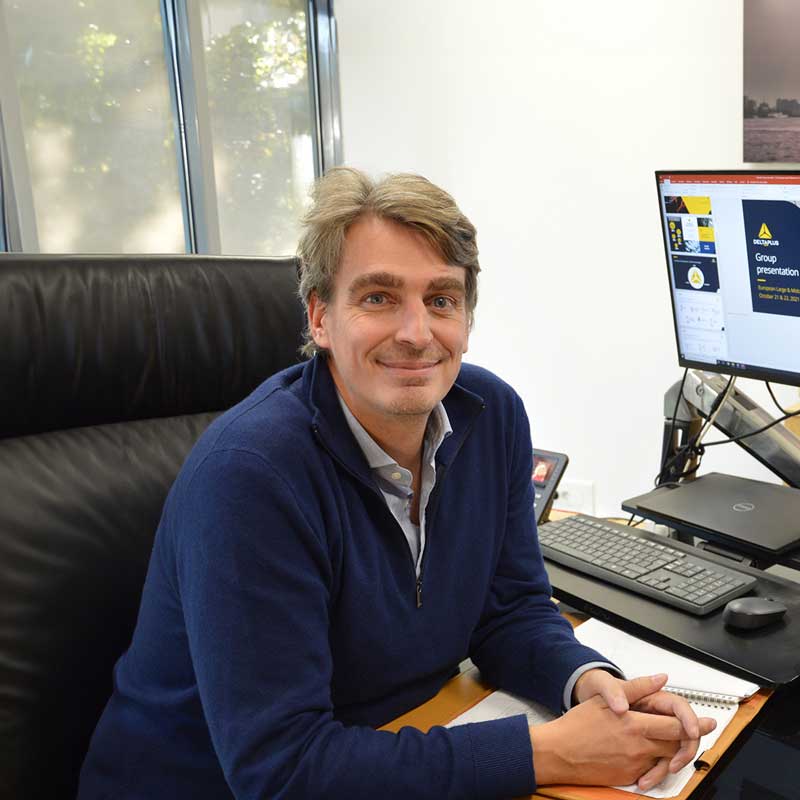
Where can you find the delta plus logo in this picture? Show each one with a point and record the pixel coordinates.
(765, 237)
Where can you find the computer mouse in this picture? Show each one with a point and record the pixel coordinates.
(749, 613)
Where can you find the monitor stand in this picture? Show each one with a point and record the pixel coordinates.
(777, 448)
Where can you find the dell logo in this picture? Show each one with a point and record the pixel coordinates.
(743, 507)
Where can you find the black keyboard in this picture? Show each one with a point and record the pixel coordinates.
(642, 562)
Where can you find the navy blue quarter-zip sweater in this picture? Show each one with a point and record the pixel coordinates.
(282, 620)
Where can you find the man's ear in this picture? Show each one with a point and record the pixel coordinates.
(316, 321)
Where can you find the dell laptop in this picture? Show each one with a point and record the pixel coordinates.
(754, 516)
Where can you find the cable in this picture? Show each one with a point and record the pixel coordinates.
(693, 446)
(699, 451)
(775, 399)
(673, 420)
(715, 409)
(698, 448)
(753, 433)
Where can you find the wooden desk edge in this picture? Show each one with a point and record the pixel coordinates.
(457, 696)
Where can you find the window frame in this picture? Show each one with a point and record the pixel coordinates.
(18, 212)
(324, 61)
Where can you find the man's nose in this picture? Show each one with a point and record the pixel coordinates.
(415, 326)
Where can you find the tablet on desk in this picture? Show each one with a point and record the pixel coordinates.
(548, 468)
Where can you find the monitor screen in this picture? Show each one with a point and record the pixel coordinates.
(732, 242)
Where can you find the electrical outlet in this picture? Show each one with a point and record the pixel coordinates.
(575, 495)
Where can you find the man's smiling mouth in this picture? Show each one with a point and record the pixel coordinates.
(410, 366)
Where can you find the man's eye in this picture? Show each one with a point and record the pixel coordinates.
(443, 302)
(374, 299)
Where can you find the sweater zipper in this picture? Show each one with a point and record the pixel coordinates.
(433, 505)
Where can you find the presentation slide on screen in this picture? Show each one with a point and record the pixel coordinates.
(683, 204)
(691, 234)
(772, 230)
(695, 273)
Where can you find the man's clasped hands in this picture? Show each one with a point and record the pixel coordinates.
(619, 732)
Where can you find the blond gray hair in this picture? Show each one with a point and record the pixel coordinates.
(344, 195)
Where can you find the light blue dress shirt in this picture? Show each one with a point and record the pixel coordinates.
(394, 481)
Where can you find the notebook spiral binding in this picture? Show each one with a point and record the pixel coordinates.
(710, 699)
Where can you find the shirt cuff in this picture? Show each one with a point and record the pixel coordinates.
(566, 700)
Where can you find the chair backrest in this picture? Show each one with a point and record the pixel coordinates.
(110, 368)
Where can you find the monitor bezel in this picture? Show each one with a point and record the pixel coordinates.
(772, 375)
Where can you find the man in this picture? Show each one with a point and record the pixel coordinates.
(339, 541)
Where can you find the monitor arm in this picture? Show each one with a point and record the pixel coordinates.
(778, 448)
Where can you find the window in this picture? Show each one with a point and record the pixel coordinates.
(261, 119)
(163, 125)
(91, 82)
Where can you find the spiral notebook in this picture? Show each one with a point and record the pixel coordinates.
(710, 692)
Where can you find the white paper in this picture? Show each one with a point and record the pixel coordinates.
(636, 657)
(499, 705)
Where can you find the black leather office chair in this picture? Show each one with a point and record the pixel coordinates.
(110, 368)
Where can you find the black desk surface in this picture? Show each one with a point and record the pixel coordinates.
(770, 656)
(762, 763)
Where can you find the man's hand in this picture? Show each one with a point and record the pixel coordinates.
(621, 732)
(608, 686)
(615, 693)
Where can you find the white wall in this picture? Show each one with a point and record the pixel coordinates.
(546, 121)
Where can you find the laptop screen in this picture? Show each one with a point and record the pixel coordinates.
(732, 243)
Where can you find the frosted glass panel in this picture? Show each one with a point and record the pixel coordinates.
(260, 104)
(98, 124)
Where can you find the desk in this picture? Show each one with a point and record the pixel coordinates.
(755, 767)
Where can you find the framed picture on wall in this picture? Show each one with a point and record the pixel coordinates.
(771, 81)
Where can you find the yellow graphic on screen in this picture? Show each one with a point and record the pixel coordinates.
(698, 205)
(764, 232)
(696, 277)
(705, 229)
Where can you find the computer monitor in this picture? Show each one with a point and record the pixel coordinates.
(732, 242)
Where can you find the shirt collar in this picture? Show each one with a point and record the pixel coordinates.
(436, 431)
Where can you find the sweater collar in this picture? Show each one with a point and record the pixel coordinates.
(328, 420)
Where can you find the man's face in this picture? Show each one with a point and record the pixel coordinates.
(396, 326)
